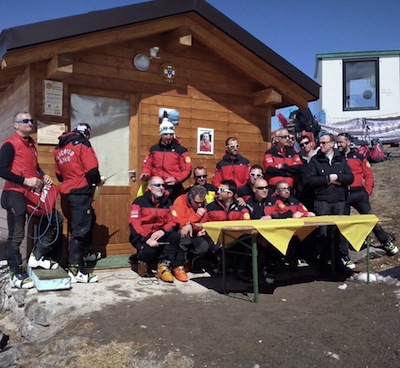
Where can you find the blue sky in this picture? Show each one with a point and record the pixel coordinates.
(296, 30)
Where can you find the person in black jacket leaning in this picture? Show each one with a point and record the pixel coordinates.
(330, 175)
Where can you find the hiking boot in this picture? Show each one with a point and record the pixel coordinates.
(348, 263)
(77, 276)
(92, 257)
(42, 262)
(180, 274)
(390, 248)
(143, 270)
(21, 281)
(164, 273)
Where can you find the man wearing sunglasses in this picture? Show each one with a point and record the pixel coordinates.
(153, 233)
(281, 162)
(361, 188)
(20, 169)
(246, 191)
(200, 178)
(233, 166)
(307, 150)
(226, 208)
(330, 175)
(189, 210)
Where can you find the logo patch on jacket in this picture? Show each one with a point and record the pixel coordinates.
(187, 159)
(134, 214)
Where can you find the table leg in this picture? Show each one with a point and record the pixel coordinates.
(368, 258)
(254, 259)
(223, 264)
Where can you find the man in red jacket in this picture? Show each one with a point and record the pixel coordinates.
(154, 233)
(169, 160)
(361, 189)
(77, 169)
(233, 166)
(20, 169)
(189, 209)
(281, 162)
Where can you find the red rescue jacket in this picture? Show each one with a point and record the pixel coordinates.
(148, 216)
(25, 162)
(287, 157)
(362, 171)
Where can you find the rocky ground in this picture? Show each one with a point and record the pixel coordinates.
(306, 320)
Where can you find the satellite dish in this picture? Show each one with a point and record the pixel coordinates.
(141, 62)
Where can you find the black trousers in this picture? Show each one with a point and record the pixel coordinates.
(79, 212)
(166, 252)
(359, 200)
(326, 233)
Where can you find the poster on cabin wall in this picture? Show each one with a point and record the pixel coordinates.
(48, 133)
(205, 141)
(52, 98)
(171, 114)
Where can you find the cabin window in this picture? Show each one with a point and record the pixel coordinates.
(109, 120)
(361, 84)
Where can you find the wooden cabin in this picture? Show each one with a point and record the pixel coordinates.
(98, 68)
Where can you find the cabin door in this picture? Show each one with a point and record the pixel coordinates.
(111, 120)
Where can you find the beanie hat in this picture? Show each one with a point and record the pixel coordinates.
(84, 129)
(166, 127)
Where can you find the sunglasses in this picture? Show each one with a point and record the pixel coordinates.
(283, 189)
(233, 147)
(324, 142)
(200, 176)
(256, 175)
(304, 144)
(199, 203)
(158, 185)
(26, 121)
(292, 138)
(261, 188)
(283, 136)
(223, 190)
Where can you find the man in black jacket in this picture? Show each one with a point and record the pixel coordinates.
(330, 175)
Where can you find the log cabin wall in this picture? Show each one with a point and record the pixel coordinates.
(208, 93)
(14, 99)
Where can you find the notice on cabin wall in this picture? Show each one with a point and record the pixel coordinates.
(52, 97)
(48, 133)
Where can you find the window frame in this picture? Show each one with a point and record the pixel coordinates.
(345, 87)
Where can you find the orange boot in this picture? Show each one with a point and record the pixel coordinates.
(164, 273)
(180, 274)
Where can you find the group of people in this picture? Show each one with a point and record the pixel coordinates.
(77, 169)
(165, 223)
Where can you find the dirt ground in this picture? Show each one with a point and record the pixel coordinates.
(303, 322)
(312, 324)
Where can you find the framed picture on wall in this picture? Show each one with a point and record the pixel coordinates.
(205, 141)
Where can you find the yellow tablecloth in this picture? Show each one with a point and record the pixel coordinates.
(354, 228)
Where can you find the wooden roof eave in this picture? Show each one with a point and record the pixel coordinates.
(250, 64)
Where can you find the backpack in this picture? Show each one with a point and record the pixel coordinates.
(365, 151)
(305, 121)
(377, 153)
